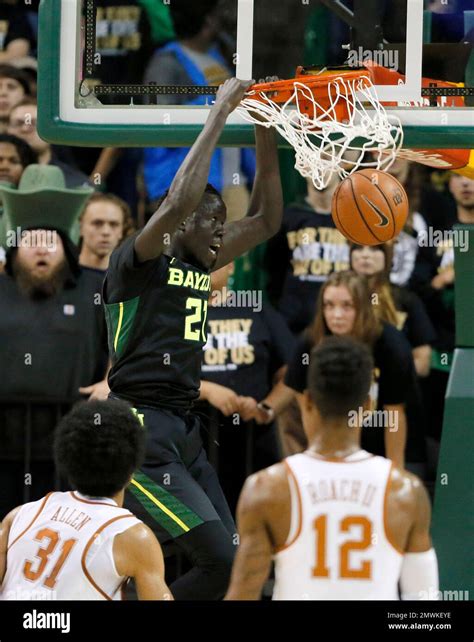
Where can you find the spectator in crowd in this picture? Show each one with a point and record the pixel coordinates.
(248, 345)
(306, 250)
(105, 222)
(345, 309)
(433, 279)
(52, 329)
(22, 122)
(14, 87)
(398, 306)
(16, 35)
(15, 156)
(412, 177)
(404, 310)
(195, 58)
(29, 66)
(437, 204)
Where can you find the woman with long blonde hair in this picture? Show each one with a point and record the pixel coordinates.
(345, 309)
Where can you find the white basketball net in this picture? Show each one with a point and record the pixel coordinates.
(323, 145)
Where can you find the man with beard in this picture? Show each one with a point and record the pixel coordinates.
(52, 331)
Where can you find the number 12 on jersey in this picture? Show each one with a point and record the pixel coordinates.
(346, 525)
(195, 326)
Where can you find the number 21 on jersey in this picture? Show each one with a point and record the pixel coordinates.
(358, 525)
(195, 325)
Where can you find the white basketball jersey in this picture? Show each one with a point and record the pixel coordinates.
(337, 548)
(61, 548)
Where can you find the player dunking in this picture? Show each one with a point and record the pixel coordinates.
(83, 545)
(156, 294)
(341, 524)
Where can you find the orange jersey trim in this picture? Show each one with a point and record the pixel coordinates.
(300, 512)
(385, 514)
(89, 544)
(40, 510)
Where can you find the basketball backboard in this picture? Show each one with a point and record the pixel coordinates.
(260, 37)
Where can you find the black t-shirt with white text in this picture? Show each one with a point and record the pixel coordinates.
(156, 318)
(123, 41)
(245, 348)
(306, 250)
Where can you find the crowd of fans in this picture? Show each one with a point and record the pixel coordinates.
(398, 298)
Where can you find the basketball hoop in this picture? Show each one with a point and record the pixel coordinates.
(331, 119)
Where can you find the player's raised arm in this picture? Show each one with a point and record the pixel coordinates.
(190, 181)
(265, 212)
(138, 554)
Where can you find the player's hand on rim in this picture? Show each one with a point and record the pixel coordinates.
(231, 92)
(256, 114)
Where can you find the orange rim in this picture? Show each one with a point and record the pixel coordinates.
(317, 82)
(282, 90)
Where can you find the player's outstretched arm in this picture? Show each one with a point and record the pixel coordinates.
(254, 556)
(138, 554)
(190, 181)
(265, 212)
(4, 534)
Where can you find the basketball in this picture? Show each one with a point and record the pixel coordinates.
(370, 207)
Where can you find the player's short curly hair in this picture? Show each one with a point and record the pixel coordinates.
(98, 446)
(339, 376)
